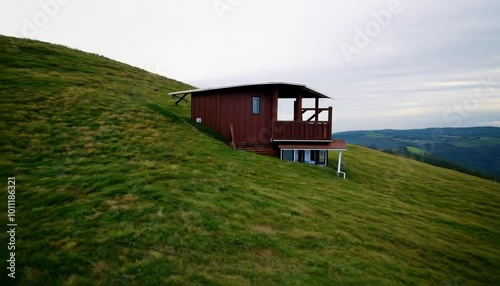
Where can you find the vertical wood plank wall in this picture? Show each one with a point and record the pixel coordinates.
(219, 109)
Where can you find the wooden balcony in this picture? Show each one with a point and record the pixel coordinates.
(309, 130)
(302, 130)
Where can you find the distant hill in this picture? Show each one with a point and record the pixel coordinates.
(116, 186)
(474, 150)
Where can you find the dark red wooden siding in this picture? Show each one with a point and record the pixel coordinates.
(219, 109)
(204, 106)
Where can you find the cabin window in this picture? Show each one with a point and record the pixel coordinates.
(301, 157)
(319, 156)
(322, 156)
(256, 105)
(288, 155)
(313, 157)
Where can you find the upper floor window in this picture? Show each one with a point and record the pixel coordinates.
(256, 105)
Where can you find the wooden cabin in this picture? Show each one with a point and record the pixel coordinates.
(247, 116)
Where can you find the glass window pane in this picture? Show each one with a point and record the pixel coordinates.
(288, 155)
(314, 155)
(322, 157)
(256, 105)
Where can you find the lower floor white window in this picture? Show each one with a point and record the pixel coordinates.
(288, 155)
(314, 157)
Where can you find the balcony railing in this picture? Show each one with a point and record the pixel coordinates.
(310, 129)
(302, 130)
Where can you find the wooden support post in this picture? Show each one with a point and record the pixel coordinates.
(274, 116)
(231, 129)
(295, 108)
(218, 112)
(180, 98)
(298, 110)
(330, 122)
(316, 114)
(316, 105)
(275, 105)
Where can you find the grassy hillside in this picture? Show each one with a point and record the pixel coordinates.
(474, 150)
(114, 187)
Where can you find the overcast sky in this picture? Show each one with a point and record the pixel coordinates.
(388, 64)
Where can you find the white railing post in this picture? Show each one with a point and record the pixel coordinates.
(340, 164)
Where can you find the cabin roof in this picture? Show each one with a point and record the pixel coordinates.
(308, 91)
(337, 145)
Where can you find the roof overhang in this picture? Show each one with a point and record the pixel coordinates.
(335, 145)
(296, 85)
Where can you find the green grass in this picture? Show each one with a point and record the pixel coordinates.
(116, 186)
(415, 150)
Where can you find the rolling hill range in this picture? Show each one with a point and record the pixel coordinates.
(115, 186)
(474, 149)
